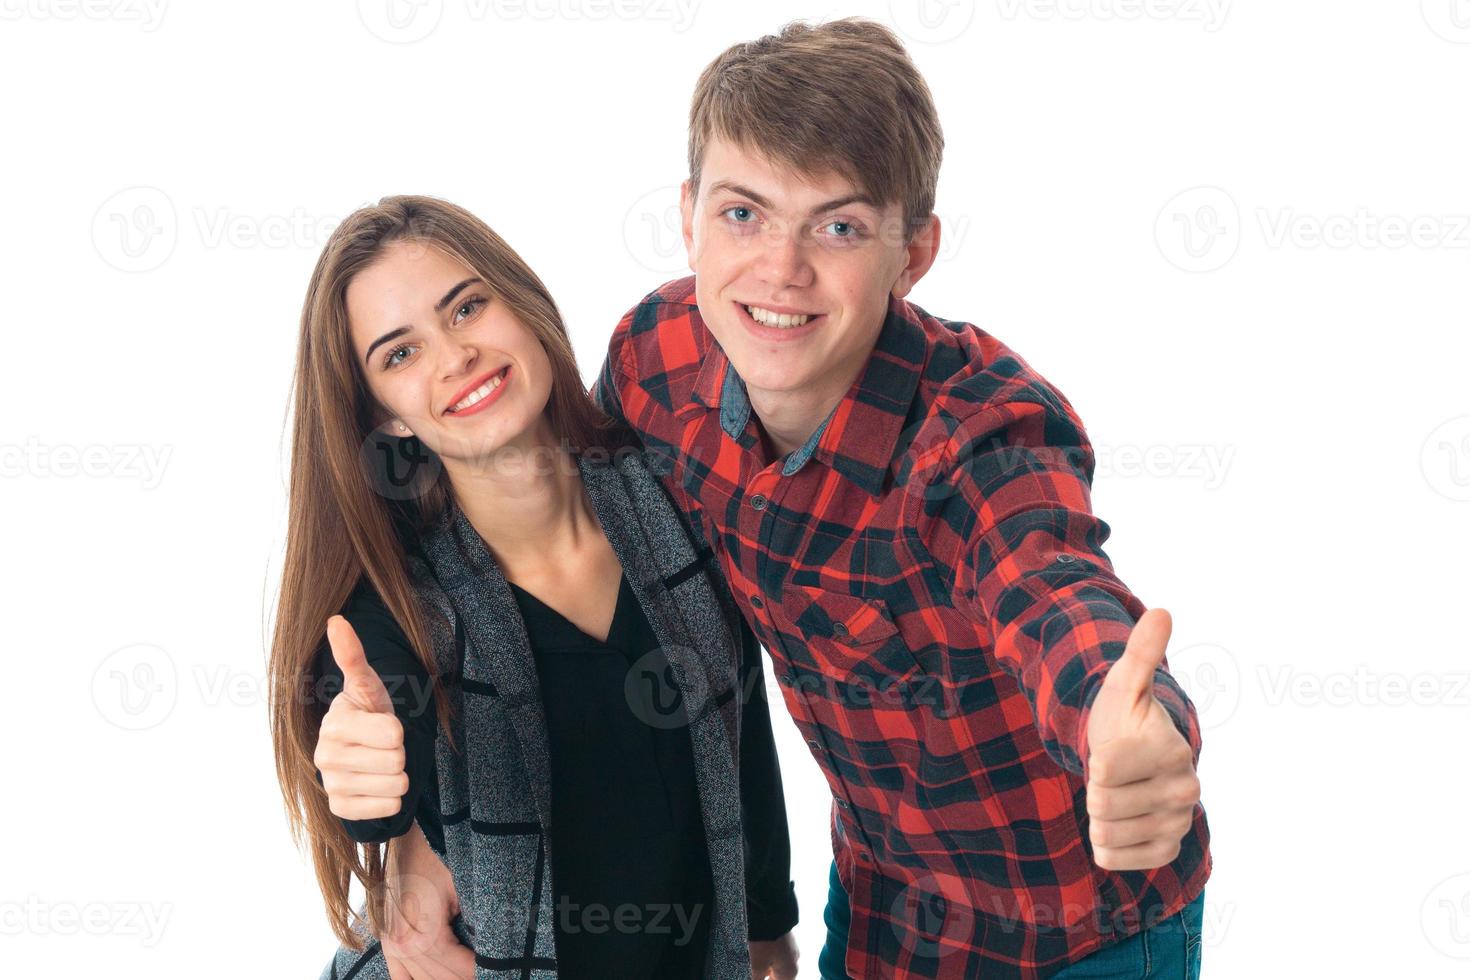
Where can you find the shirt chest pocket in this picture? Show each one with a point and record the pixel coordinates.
(848, 637)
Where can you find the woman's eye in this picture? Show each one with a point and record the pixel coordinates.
(390, 359)
(469, 304)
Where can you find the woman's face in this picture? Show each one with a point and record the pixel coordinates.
(432, 339)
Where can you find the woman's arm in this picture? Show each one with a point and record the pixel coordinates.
(770, 896)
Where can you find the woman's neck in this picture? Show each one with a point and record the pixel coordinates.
(531, 510)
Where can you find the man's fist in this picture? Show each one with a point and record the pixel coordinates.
(1141, 784)
(359, 749)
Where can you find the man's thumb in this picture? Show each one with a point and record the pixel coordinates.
(1131, 679)
(360, 683)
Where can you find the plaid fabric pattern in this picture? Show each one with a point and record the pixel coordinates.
(929, 581)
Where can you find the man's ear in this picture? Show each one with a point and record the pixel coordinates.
(919, 253)
(686, 219)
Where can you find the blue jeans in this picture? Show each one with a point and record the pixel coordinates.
(1168, 951)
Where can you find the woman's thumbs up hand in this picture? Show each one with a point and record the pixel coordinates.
(359, 749)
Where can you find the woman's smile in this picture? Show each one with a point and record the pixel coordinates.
(481, 396)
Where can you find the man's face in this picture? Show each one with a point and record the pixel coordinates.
(764, 241)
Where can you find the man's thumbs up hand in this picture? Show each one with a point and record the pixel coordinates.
(1141, 786)
(359, 749)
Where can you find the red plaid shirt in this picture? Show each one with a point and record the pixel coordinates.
(929, 580)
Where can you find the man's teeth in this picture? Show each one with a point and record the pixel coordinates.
(770, 319)
(478, 393)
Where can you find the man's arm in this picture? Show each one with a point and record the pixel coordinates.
(1014, 504)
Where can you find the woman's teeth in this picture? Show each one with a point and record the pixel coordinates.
(769, 319)
(478, 393)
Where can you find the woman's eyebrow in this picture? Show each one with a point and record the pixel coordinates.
(400, 331)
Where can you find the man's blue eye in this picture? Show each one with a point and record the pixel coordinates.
(741, 213)
(848, 233)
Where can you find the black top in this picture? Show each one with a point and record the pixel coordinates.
(627, 831)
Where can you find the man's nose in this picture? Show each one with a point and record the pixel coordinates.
(783, 259)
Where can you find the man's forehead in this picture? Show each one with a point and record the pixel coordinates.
(731, 166)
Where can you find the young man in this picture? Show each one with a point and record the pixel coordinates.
(901, 506)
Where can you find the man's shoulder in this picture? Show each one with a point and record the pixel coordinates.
(970, 370)
(670, 305)
(659, 345)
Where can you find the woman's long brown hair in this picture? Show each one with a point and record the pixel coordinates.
(354, 513)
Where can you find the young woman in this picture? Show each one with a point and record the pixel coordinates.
(543, 677)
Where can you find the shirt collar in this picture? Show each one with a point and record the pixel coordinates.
(883, 392)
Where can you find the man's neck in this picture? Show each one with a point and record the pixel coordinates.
(790, 417)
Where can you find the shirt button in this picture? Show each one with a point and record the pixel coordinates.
(842, 803)
(839, 629)
(814, 744)
(788, 679)
(756, 601)
(1066, 558)
(758, 501)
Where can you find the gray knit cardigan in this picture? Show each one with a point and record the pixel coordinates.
(495, 794)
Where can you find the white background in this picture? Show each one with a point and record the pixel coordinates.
(1234, 234)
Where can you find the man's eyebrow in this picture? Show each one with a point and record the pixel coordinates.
(400, 331)
(727, 185)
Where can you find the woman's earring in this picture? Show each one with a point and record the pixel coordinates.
(402, 427)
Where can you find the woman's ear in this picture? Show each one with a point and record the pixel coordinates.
(393, 427)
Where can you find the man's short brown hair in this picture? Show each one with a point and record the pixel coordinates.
(840, 96)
